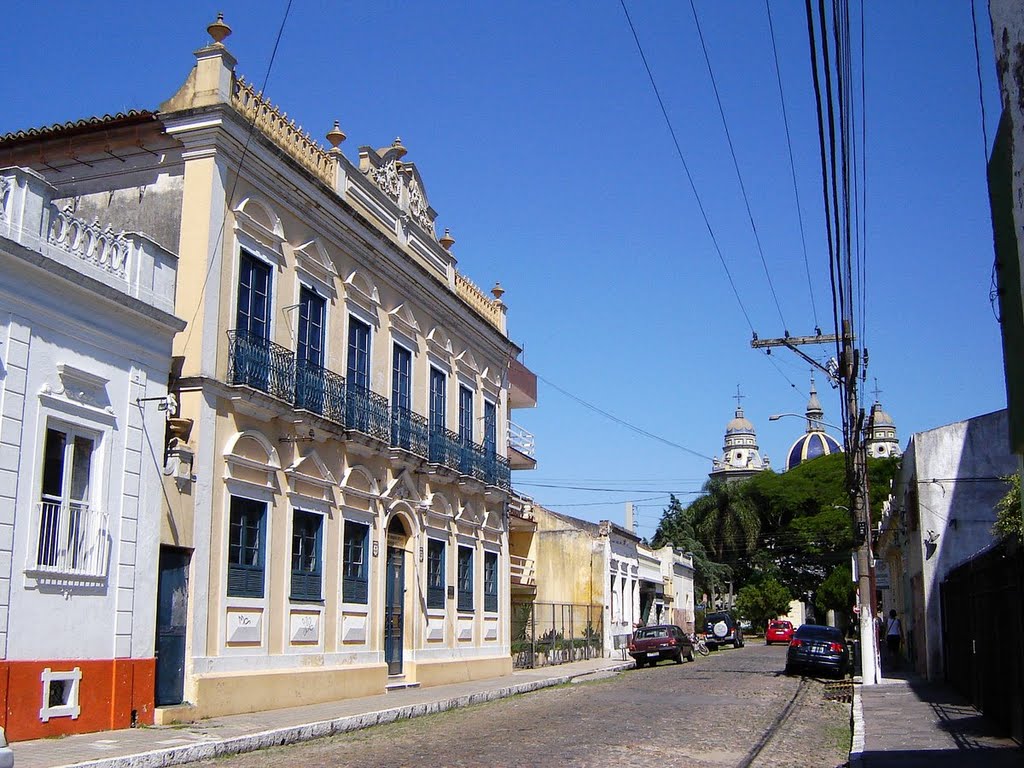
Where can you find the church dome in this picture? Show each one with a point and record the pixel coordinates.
(809, 446)
(739, 424)
(880, 417)
(814, 442)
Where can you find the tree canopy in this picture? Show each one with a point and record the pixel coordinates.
(763, 601)
(794, 527)
(1009, 517)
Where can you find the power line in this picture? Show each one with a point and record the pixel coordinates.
(606, 490)
(735, 164)
(686, 168)
(624, 423)
(598, 503)
(792, 164)
(238, 172)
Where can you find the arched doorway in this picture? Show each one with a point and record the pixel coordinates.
(394, 597)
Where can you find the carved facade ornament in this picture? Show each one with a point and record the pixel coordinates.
(388, 179)
(418, 206)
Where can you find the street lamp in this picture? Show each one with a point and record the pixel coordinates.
(777, 416)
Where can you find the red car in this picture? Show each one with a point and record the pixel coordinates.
(779, 631)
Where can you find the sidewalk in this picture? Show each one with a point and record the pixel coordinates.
(154, 746)
(911, 723)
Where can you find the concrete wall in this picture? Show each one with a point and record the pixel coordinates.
(949, 484)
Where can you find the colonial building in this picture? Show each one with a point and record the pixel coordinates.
(335, 521)
(86, 322)
(614, 581)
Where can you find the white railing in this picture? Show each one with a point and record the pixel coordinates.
(523, 571)
(129, 262)
(91, 242)
(521, 440)
(72, 541)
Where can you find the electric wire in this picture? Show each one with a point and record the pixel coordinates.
(993, 291)
(792, 164)
(686, 168)
(623, 422)
(607, 490)
(735, 164)
(215, 254)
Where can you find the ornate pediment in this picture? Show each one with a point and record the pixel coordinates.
(256, 218)
(251, 458)
(309, 478)
(362, 293)
(400, 182)
(404, 321)
(403, 488)
(466, 364)
(313, 259)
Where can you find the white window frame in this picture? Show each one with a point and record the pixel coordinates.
(71, 708)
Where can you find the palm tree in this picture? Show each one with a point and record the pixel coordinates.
(726, 520)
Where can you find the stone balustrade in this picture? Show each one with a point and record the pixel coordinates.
(284, 132)
(490, 309)
(130, 262)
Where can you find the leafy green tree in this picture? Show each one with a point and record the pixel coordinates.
(677, 528)
(726, 520)
(763, 601)
(1009, 517)
(837, 591)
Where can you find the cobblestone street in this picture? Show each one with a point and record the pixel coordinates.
(717, 711)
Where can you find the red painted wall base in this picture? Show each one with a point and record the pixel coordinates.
(109, 691)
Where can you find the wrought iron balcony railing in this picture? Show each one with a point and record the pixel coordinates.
(320, 390)
(409, 431)
(261, 364)
(367, 412)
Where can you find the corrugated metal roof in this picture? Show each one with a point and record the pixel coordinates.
(73, 126)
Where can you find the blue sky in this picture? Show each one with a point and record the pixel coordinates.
(543, 148)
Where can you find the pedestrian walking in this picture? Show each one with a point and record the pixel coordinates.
(893, 636)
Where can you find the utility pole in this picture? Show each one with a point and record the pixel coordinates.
(846, 373)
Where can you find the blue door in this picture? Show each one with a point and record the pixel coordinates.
(172, 608)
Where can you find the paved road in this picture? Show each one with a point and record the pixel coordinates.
(716, 711)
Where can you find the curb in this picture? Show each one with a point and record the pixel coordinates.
(189, 753)
(857, 743)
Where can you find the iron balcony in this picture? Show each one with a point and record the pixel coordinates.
(275, 370)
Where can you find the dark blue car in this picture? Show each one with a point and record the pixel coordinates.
(817, 649)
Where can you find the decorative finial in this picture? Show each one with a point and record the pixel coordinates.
(497, 291)
(738, 398)
(447, 241)
(336, 135)
(398, 149)
(219, 30)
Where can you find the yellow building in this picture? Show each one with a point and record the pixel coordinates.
(338, 469)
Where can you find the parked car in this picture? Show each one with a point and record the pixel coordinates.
(778, 631)
(721, 629)
(649, 645)
(816, 648)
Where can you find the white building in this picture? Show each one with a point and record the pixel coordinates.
(677, 574)
(86, 323)
(940, 514)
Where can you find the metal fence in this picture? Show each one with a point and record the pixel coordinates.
(555, 633)
(983, 634)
